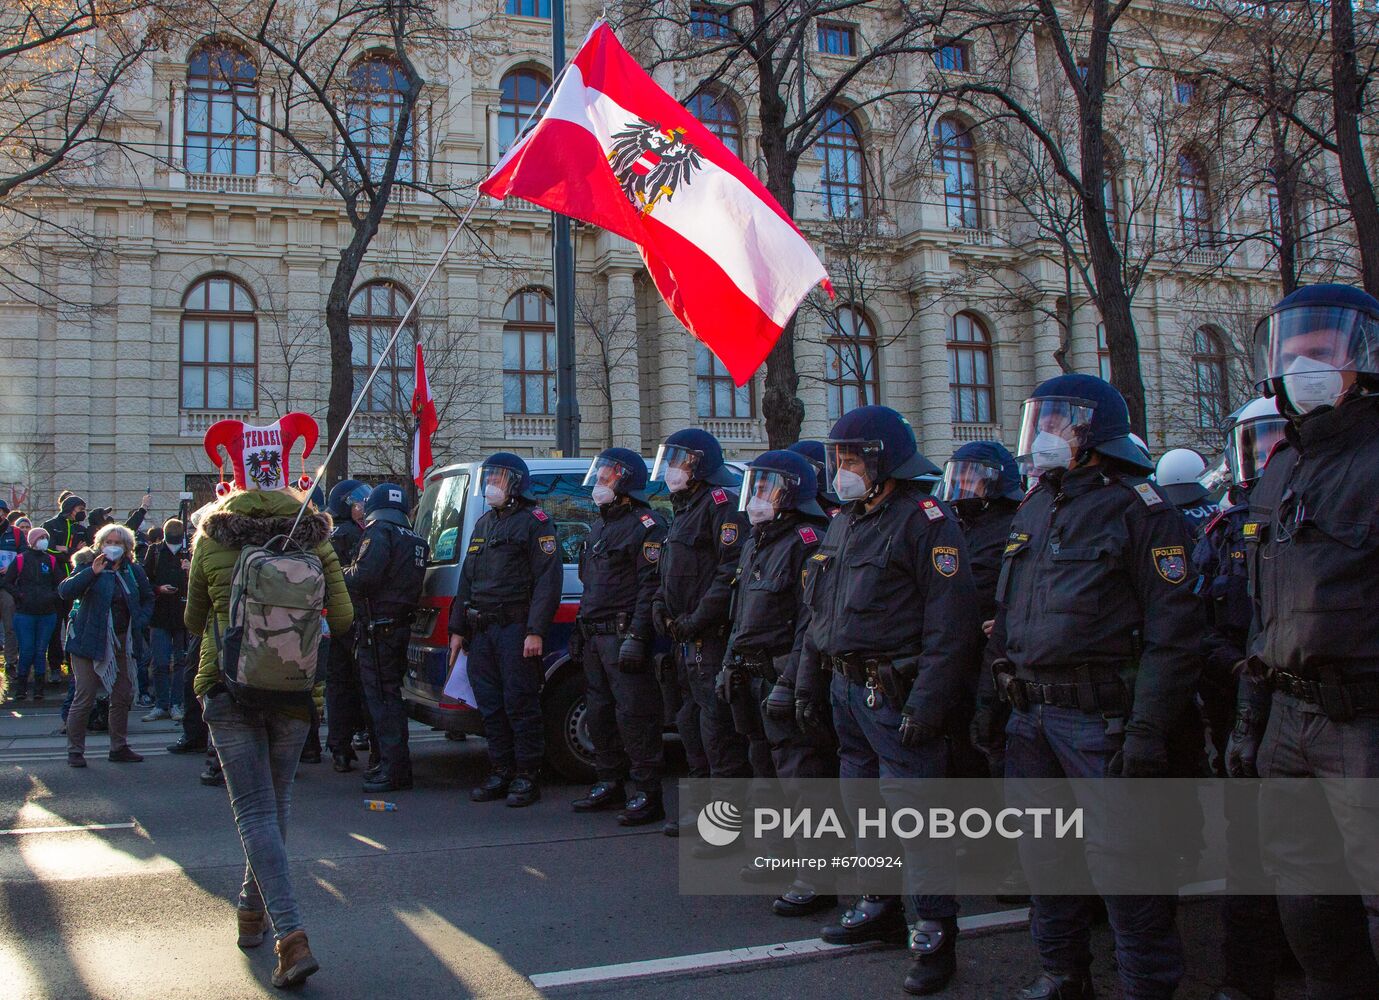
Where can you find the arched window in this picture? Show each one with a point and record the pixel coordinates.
(715, 393)
(850, 360)
(375, 311)
(378, 93)
(1194, 198)
(529, 352)
(957, 160)
(844, 173)
(522, 93)
(220, 346)
(970, 382)
(221, 108)
(720, 117)
(1103, 353)
(1209, 379)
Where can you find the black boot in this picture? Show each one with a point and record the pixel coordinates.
(495, 787)
(604, 795)
(933, 945)
(184, 745)
(523, 791)
(311, 755)
(644, 807)
(800, 900)
(342, 762)
(871, 918)
(385, 782)
(1058, 986)
(213, 775)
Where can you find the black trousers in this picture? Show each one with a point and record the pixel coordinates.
(382, 663)
(346, 712)
(624, 716)
(725, 748)
(193, 726)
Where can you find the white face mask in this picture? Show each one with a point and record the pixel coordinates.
(175, 546)
(41, 544)
(604, 495)
(1310, 384)
(495, 496)
(1050, 452)
(677, 480)
(112, 553)
(760, 510)
(849, 486)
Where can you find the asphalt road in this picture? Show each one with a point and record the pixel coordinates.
(442, 898)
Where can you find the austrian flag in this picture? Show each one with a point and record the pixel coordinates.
(616, 151)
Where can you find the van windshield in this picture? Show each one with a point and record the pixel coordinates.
(440, 517)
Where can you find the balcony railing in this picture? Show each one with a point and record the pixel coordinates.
(194, 423)
(223, 183)
(528, 427)
(976, 432)
(977, 237)
(733, 430)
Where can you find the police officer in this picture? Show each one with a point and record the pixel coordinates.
(619, 568)
(386, 578)
(1179, 475)
(1312, 544)
(698, 562)
(346, 713)
(1252, 941)
(779, 497)
(981, 482)
(893, 616)
(509, 590)
(1093, 590)
(813, 452)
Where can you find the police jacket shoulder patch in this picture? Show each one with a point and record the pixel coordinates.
(931, 509)
(648, 521)
(547, 543)
(1148, 494)
(728, 534)
(808, 535)
(945, 559)
(540, 514)
(1171, 563)
(1250, 530)
(720, 496)
(651, 551)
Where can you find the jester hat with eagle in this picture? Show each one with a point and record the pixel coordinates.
(260, 455)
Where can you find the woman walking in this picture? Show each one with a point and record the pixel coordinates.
(114, 604)
(31, 581)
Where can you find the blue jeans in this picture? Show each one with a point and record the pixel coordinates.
(259, 750)
(1049, 742)
(141, 665)
(169, 660)
(34, 633)
(507, 687)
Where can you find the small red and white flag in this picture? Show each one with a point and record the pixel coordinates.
(615, 150)
(424, 408)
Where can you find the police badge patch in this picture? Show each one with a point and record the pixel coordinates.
(651, 551)
(547, 544)
(729, 534)
(945, 559)
(1171, 562)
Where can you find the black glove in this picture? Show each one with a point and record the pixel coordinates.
(576, 644)
(1143, 755)
(1242, 748)
(914, 732)
(809, 716)
(684, 629)
(779, 704)
(729, 680)
(659, 620)
(986, 732)
(632, 655)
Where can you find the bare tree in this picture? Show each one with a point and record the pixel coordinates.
(1351, 69)
(609, 330)
(26, 474)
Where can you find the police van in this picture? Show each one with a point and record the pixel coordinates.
(449, 508)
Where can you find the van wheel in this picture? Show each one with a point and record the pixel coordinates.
(569, 750)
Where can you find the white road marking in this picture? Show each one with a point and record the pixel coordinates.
(24, 830)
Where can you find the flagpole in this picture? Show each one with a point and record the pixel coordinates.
(567, 402)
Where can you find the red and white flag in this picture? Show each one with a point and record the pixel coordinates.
(424, 408)
(615, 150)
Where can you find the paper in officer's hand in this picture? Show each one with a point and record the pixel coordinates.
(457, 686)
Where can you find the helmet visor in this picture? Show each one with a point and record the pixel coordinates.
(968, 480)
(779, 489)
(1053, 429)
(1216, 477)
(607, 472)
(1307, 339)
(673, 456)
(497, 477)
(357, 495)
(851, 467)
(1249, 444)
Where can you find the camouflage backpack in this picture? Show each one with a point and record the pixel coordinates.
(270, 655)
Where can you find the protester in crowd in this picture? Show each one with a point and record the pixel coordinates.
(145, 540)
(30, 582)
(101, 516)
(11, 544)
(115, 603)
(260, 745)
(166, 564)
(66, 534)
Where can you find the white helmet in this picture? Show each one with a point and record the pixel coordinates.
(1179, 475)
(1257, 427)
(1139, 443)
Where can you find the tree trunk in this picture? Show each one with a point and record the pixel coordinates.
(341, 397)
(780, 403)
(1285, 173)
(1347, 95)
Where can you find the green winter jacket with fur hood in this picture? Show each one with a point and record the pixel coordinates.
(252, 518)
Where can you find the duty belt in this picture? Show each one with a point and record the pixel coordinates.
(1338, 699)
(392, 623)
(757, 662)
(858, 668)
(1105, 696)
(506, 614)
(609, 626)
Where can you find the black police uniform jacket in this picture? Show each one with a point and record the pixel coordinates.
(986, 530)
(1312, 542)
(768, 590)
(388, 570)
(513, 561)
(700, 558)
(620, 566)
(1222, 583)
(345, 538)
(894, 582)
(1198, 515)
(1096, 572)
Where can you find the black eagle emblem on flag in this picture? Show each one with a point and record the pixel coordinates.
(264, 468)
(652, 163)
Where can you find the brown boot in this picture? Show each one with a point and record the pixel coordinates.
(251, 925)
(295, 961)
